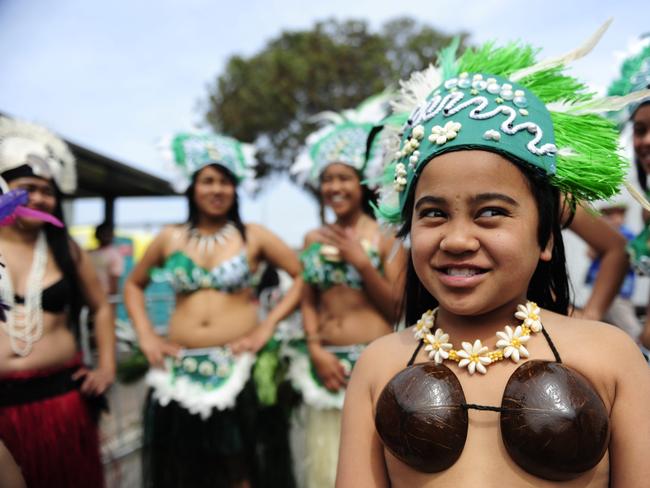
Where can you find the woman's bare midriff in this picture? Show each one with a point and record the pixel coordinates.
(208, 318)
(56, 347)
(347, 317)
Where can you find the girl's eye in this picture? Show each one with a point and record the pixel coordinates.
(492, 212)
(431, 213)
(640, 130)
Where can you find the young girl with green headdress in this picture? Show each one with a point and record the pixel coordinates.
(352, 273)
(493, 383)
(201, 423)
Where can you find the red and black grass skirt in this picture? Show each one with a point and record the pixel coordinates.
(49, 428)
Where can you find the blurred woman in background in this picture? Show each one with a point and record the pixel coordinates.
(48, 400)
(200, 415)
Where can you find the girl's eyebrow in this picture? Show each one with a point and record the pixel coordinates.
(484, 197)
(430, 199)
(480, 198)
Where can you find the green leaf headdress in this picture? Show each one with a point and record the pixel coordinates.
(635, 76)
(501, 99)
(48, 156)
(342, 139)
(191, 151)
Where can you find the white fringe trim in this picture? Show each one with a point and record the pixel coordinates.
(313, 394)
(195, 398)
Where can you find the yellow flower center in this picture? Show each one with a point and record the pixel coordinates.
(473, 358)
(515, 342)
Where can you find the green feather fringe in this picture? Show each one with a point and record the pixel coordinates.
(500, 61)
(596, 171)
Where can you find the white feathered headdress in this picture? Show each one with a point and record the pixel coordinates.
(342, 139)
(23, 143)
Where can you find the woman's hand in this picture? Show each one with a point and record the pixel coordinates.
(95, 381)
(328, 367)
(155, 348)
(254, 340)
(348, 244)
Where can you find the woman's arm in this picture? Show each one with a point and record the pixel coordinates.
(152, 345)
(96, 382)
(630, 422)
(361, 456)
(610, 246)
(274, 251)
(10, 474)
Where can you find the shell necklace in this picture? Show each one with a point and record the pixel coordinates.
(475, 357)
(205, 243)
(24, 325)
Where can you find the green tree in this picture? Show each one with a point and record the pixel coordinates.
(269, 97)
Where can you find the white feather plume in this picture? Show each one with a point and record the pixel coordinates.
(565, 59)
(599, 105)
(19, 139)
(416, 89)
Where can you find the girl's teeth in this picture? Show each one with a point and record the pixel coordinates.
(462, 272)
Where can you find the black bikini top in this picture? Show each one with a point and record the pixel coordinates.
(54, 298)
(553, 423)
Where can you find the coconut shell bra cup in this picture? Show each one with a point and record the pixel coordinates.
(553, 423)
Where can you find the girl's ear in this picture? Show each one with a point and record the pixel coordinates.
(547, 251)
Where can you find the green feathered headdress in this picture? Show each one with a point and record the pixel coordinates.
(502, 99)
(635, 75)
(191, 151)
(342, 138)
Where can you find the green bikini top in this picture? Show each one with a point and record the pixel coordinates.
(639, 249)
(322, 270)
(185, 276)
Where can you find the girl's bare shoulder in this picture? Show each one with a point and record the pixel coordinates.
(386, 356)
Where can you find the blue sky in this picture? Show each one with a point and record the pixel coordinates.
(116, 76)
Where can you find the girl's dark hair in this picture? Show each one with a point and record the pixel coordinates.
(640, 171)
(368, 200)
(549, 285)
(66, 254)
(233, 213)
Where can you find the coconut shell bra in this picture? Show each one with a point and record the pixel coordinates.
(324, 269)
(553, 423)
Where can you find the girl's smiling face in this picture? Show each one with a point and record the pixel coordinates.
(474, 232)
(340, 188)
(214, 192)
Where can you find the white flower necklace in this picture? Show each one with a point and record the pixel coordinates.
(24, 325)
(475, 357)
(205, 243)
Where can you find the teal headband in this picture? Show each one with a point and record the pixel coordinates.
(501, 99)
(191, 151)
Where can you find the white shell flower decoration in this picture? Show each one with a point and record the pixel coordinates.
(418, 132)
(529, 314)
(400, 177)
(206, 368)
(190, 364)
(438, 346)
(423, 326)
(512, 343)
(474, 357)
(223, 370)
(440, 135)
